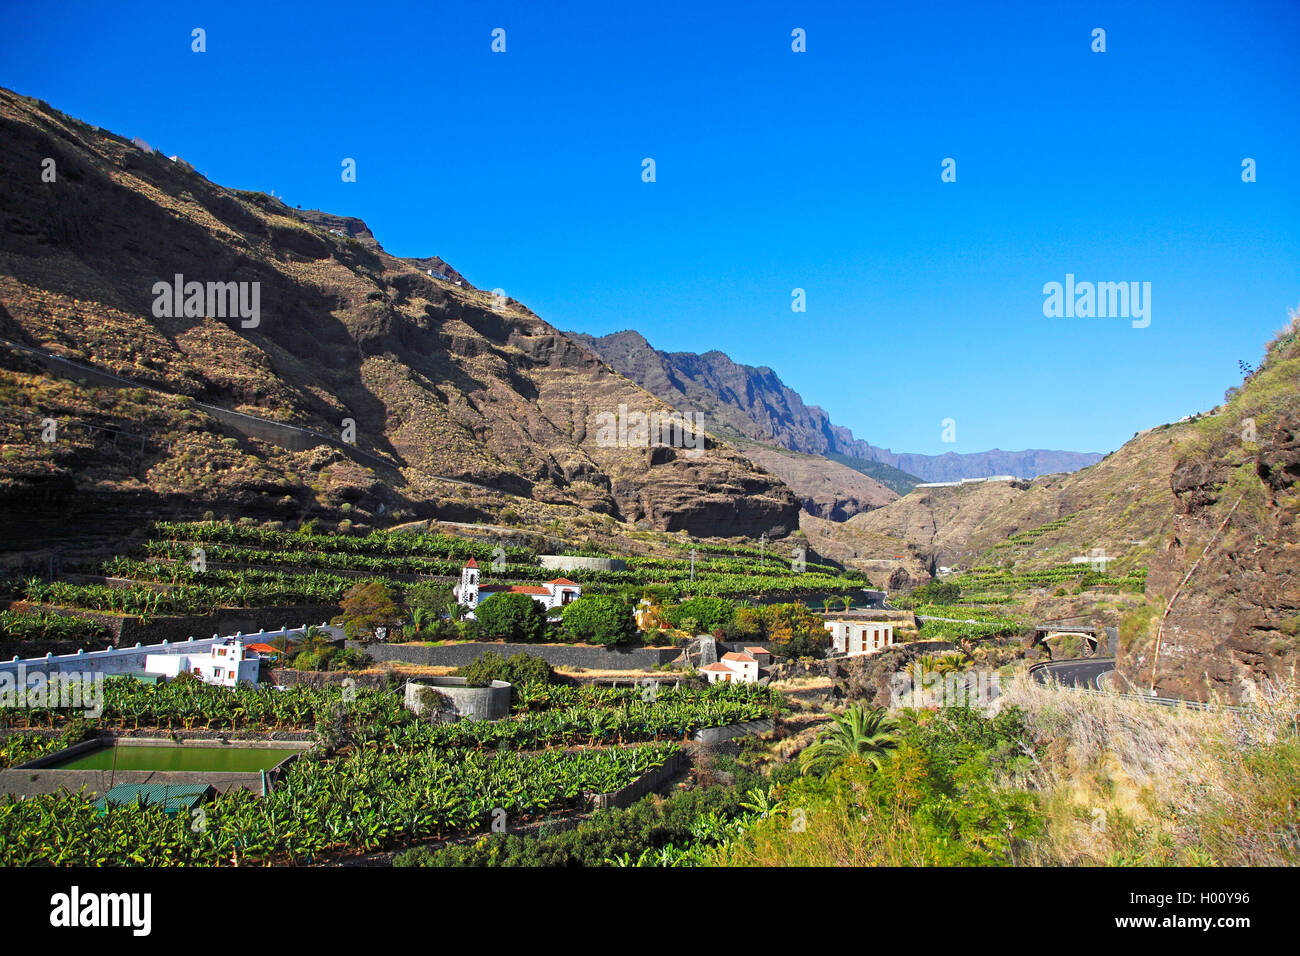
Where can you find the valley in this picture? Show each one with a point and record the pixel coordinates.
(473, 591)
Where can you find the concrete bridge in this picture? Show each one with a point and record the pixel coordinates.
(1097, 638)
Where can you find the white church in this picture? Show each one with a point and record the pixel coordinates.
(552, 595)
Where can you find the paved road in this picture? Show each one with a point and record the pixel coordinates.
(1084, 672)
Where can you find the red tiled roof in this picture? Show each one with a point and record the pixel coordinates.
(757, 650)
(471, 563)
(566, 581)
(732, 656)
(716, 667)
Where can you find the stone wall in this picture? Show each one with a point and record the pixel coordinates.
(717, 735)
(557, 655)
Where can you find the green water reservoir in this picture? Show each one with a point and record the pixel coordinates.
(166, 757)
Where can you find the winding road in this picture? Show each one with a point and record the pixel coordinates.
(1085, 672)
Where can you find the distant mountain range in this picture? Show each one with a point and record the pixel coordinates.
(747, 402)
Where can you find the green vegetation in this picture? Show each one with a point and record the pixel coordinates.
(511, 617)
(363, 800)
(860, 733)
(44, 626)
(599, 620)
(20, 748)
(518, 669)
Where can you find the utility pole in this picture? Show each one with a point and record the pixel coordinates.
(692, 565)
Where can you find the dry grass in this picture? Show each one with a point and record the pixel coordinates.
(1128, 782)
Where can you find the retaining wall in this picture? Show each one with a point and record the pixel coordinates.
(557, 655)
(638, 788)
(717, 735)
(124, 660)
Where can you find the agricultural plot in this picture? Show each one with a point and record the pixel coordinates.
(253, 567)
(380, 778)
(325, 807)
(992, 580)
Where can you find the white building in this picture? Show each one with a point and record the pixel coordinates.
(855, 638)
(225, 664)
(552, 595)
(734, 667)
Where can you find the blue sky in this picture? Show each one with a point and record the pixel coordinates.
(775, 171)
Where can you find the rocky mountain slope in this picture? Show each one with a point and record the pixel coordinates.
(438, 379)
(826, 489)
(754, 403)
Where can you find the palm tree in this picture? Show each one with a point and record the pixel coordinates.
(848, 602)
(868, 734)
(826, 604)
(950, 664)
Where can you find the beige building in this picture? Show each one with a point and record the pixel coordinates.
(853, 638)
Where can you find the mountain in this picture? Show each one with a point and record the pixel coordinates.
(754, 403)
(373, 387)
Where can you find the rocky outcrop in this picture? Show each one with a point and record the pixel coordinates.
(825, 488)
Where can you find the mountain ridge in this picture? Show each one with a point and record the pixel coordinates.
(753, 402)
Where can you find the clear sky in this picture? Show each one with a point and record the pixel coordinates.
(775, 170)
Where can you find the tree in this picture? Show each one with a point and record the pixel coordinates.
(367, 606)
(599, 620)
(749, 622)
(430, 597)
(511, 617)
(868, 734)
(793, 630)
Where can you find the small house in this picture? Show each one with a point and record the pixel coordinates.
(853, 638)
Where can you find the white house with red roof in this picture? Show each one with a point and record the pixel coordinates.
(552, 595)
(735, 667)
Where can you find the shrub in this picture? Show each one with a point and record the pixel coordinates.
(518, 669)
(707, 612)
(511, 617)
(599, 620)
(937, 592)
